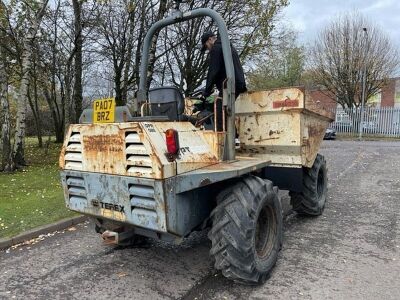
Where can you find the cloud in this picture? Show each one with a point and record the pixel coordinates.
(381, 5)
(309, 17)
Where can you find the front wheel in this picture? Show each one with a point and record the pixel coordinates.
(246, 234)
(311, 201)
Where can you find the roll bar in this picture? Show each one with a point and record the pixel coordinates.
(229, 90)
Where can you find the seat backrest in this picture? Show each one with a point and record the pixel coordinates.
(166, 101)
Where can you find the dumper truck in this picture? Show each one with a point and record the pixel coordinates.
(157, 172)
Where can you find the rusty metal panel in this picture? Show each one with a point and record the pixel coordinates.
(271, 100)
(313, 133)
(272, 136)
(318, 108)
(216, 140)
(281, 126)
(119, 149)
(187, 195)
(218, 172)
(136, 149)
(185, 211)
(195, 152)
(101, 148)
(135, 201)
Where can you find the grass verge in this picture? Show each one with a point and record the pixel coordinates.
(32, 196)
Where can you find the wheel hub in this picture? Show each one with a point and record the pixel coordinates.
(265, 232)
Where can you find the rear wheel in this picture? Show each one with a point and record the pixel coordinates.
(311, 201)
(246, 234)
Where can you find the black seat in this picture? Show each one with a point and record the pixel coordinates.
(167, 101)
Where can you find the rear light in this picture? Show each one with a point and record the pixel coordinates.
(172, 141)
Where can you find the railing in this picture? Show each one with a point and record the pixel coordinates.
(384, 121)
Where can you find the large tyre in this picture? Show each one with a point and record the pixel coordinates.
(246, 234)
(311, 201)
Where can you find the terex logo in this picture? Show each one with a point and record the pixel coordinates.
(110, 206)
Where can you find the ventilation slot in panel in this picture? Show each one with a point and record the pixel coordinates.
(137, 158)
(143, 205)
(142, 197)
(73, 153)
(76, 192)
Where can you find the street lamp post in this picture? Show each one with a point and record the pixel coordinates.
(364, 84)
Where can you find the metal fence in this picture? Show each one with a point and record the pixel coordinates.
(384, 121)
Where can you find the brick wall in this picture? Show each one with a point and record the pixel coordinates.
(388, 93)
(387, 98)
(325, 99)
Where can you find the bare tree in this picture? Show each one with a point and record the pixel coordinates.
(7, 163)
(179, 58)
(122, 28)
(77, 95)
(162, 10)
(116, 29)
(33, 98)
(90, 36)
(34, 23)
(251, 25)
(63, 58)
(51, 79)
(342, 51)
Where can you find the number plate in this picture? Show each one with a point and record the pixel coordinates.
(104, 110)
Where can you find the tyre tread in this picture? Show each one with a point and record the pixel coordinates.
(307, 202)
(231, 234)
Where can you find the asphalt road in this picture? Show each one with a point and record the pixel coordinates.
(351, 252)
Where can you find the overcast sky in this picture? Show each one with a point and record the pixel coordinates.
(308, 17)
